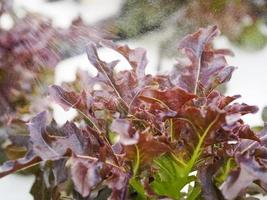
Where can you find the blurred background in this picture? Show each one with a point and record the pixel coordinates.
(38, 36)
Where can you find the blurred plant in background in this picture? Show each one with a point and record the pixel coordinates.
(241, 21)
(30, 49)
(26, 58)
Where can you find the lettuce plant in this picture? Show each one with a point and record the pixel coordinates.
(141, 136)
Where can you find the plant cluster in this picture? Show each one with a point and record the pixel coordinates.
(29, 50)
(141, 136)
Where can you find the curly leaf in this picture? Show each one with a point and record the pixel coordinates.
(207, 68)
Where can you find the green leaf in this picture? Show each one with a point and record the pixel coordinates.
(171, 177)
(225, 170)
(137, 186)
(194, 192)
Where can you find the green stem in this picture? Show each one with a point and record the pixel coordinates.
(198, 149)
(171, 130)
(181, 162)
(137, 161)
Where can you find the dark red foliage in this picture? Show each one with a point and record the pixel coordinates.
(206, 68)
(135, 123)
(30, 50)
(24, 50)
(251, 159)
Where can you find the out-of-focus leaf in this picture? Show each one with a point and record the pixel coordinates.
(67, 99)
(128, 135)
(250, 170)
(264, 114)
(209, 190)
(40, 191)
(251, 162)
(44, 146)
(85, 175)
(13, 166)
(14, 152)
